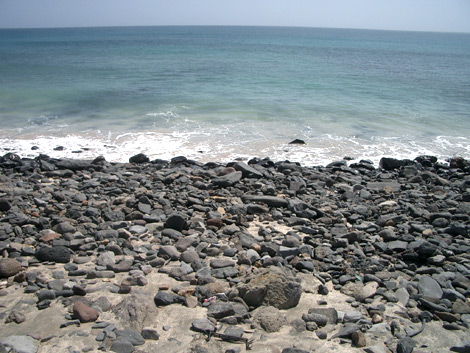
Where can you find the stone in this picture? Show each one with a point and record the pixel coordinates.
(228, 179)
(406, 345)
(330, 313)
(132, 336)
(122, 345)
(139, 159)
(59, 254)
(294, 350)
(9, 267)
(177, 222)
(106, 258)
(121, 266)
(15, 316)
(163, 298)
(359, 339)
(271, 201)
(462, 347)
(429, 288)
(21, 344)
(271, 287)
(203, 325)
(319, 319)
(218, 310)
(359, 291)
(149, 333)
(84, 313)
(403, 296)
(297, 142)
(346, 331)
(5, 205)
(269, 318)
(169, 251)
(247, 171)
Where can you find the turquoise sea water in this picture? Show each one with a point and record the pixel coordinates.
(218, 93)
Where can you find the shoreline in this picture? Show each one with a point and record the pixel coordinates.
(312, 152)
(185, 256)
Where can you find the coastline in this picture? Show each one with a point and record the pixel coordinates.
(314, 151)
(211, 257)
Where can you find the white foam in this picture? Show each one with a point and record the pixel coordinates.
(225, 145)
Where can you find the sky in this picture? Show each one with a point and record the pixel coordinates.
(413, 15)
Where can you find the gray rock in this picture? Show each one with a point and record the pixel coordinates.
(397, 245)
(346, 331)
(139, 159)
(228, 179)
(218, 310)
(163, 298)
(150, 334)
(169, 251)
(106, 258)
(203, 325)
(319, 319)
(16, 317)
(121, 266)
(21, 344)
(132, 336)
(462, 347)
(59, 254)
(9, 267)
(247, 171)
(176, 221)
(271, 201)
(359, 291)
(330, 313)
(122, 345)
(429, 288)
(220, 263)
(402, 295)
(352, 316)
(269, 318)
(271, 287)
(294, 350)
(406, 345)
(234, 331)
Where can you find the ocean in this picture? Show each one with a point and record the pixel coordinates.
(219, 93)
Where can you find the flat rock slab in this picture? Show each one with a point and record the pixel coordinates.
(21, 344)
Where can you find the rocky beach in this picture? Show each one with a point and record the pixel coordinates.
(256, 255)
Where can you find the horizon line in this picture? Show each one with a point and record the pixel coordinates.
(233, 25)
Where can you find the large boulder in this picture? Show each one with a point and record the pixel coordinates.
(273, 286)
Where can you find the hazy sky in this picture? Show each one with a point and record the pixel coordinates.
(421, 15)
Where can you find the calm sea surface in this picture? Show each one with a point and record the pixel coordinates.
(218, 93)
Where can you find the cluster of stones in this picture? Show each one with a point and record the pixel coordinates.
(397, 234)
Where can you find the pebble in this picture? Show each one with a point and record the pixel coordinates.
(393, 235)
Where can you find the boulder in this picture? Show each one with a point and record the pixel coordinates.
(273, 286)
